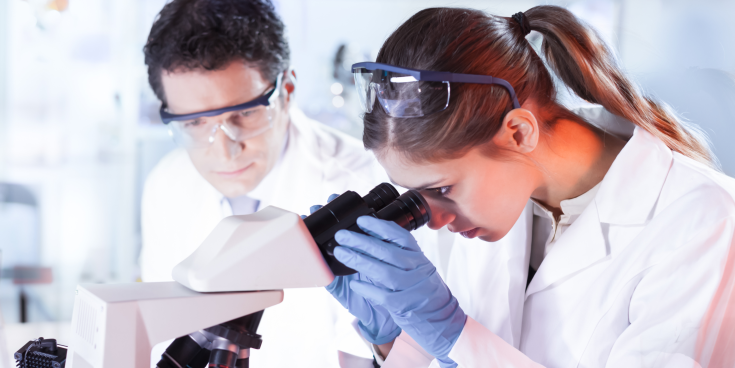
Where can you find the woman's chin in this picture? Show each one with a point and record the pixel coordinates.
(489, 236)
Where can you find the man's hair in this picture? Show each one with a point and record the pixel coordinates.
(210, 34)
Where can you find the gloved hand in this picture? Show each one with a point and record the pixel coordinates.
(403, 281)
(375, 323)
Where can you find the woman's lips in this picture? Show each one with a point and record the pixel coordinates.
(229, 174)
(469, 234)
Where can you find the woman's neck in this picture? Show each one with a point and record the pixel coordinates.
(572, 160)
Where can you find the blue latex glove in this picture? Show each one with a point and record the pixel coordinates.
(401, 279)
(375, 323)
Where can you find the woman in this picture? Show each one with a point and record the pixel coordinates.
(629, 257)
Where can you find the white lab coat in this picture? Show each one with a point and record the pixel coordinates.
(180, 208)
(628, 284)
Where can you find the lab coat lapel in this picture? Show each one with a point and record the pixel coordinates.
(489, 279)
(580, 246)
(627, 196)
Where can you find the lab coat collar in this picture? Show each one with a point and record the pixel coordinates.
(631, 187)
(581, 245)
(627, 196)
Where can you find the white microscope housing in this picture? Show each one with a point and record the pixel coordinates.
(220, 289)
(232, 274)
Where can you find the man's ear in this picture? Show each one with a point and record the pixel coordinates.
(519, 131)
(289, 84)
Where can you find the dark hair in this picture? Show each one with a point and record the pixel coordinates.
(469, 41)
(210, 34)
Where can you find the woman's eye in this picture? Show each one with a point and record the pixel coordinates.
(246, 113)
(441, 191)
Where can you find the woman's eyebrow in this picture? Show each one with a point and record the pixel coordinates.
(420, 187)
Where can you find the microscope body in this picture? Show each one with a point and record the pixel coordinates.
(220, 290)
(117, 325)
(214, 307)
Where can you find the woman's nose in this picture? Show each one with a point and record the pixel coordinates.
(440, 217)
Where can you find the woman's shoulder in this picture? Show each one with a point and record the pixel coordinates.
(699, 191)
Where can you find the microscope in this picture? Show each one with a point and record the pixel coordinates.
(213, 309)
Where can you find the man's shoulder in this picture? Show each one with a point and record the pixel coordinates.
(327, 142)
(341, 160)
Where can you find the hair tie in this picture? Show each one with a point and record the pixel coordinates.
(521, 19)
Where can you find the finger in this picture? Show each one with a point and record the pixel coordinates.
(357, 305)
(332, 197)
(314, 208)
(338, 286)
(373, 293)
(377, 271)
(401, 258)
(388, 231)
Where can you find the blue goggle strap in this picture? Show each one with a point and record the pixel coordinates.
(264, 100)
(433, 76)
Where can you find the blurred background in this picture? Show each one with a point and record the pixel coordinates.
(79, 129)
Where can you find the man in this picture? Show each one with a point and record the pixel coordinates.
(221, 71)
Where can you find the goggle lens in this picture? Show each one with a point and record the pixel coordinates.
(239, 126)
(400, 95)
(365, 93)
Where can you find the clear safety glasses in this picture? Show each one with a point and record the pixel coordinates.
(406, 93)
(239, 123)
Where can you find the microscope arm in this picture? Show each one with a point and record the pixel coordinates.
(267, 250)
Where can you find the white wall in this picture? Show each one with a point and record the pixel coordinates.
(683, 52)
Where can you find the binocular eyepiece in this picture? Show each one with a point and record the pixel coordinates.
(409, 210)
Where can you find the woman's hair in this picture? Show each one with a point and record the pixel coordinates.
(469, 41)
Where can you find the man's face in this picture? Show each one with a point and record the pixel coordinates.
(233, 168)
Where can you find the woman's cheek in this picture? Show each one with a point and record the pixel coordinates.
(494, 215)
(440, 215)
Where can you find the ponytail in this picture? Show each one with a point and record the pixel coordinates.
(471, 42)
(585, 64)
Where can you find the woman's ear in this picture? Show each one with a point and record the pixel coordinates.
(519, 131)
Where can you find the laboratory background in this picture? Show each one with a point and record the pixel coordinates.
(80, 131)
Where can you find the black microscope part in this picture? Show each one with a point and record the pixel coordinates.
(41, 353)
(186, 352)
(222, 358)
(409, 210)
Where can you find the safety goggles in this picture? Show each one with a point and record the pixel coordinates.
(406, 93)
(239, 123)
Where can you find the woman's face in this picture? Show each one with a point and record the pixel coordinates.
(474, 195)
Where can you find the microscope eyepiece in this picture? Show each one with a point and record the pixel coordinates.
(409, 210)
(381, 196)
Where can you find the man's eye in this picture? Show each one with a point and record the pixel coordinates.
(193, 123)
(247, 113)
